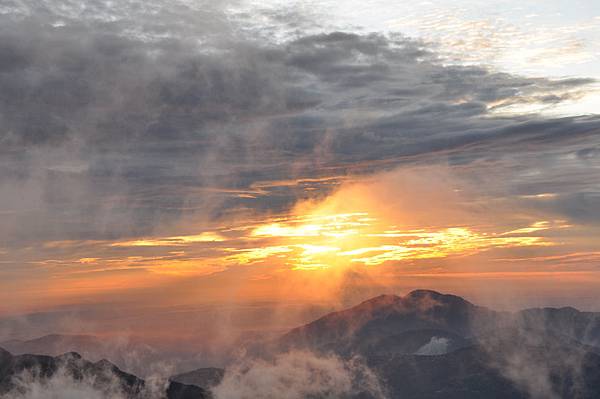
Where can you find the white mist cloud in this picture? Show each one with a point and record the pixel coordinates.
(531, 376)
(297, 375)
(435, 346)
(68, 384)
(62, 385)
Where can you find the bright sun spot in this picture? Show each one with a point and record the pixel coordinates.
(323, 241)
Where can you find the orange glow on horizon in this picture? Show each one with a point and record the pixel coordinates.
(364, 228)
(322, 241)
(355, 226)
(358, 226)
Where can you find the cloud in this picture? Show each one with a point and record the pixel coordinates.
(63, 385)
(297, 375)
(435, 346)
(84, 381)
(122, 127)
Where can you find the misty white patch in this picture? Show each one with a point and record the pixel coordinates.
(297, 375)
(435, 346)
(62, 386)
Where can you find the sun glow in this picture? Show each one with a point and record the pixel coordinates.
(336, 225)
(322, 241)
(364, 224)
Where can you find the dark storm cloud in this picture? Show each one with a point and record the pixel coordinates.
(115, 121)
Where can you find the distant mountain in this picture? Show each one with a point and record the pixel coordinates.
(102, 376)
(429, 345)
(570, 322)
(425, 345)
(56, 344)
(206, 378)
(393, 324)
(125, 353)
(403, 325)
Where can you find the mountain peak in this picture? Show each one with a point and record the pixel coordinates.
(446, 299)
(423, 292)
(412, 296)
(387, 315)
(68, 356)
(104, 381)
(384, 299)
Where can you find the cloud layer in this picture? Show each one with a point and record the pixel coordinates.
(110, 131)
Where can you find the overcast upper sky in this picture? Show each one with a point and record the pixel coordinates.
(193, 151)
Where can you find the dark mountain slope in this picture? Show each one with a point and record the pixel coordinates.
(427, 345)
(205, 377)
(401, 322)
(118, 351)
(474, 373)
(102, 376)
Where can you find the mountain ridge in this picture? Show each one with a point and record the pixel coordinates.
(103, 376)
(429, 345)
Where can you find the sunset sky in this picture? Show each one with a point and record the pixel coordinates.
(176, 154)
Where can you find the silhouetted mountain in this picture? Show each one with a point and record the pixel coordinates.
(393, 324)
(425, 345)
(126, 353)
(430, 345)
(102, 376)
(205, 377)
(402, 325)
(570, 322)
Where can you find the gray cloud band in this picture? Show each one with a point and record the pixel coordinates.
(107, 130)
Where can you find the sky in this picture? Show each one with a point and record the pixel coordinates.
(160, 157)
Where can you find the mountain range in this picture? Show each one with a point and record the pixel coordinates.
(423, 345)
(104, 377)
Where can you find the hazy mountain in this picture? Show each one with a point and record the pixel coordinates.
(424, 345)
(431, 345)
(206, 378)
(581, 326)
(127, 353)
(393, 324)
(403, 325)
(18, 373)
(476, 372)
